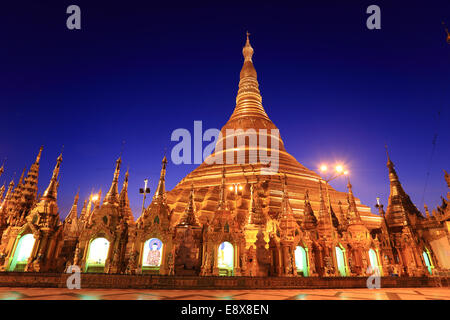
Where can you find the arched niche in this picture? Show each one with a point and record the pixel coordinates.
(340, 258)
(97, 255)
(301, 261)
(22, 252)
(152, 255)
(225, 259)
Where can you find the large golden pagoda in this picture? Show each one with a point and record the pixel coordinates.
(248, 114)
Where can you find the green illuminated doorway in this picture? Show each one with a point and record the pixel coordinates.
(340, 262)
(373, 259)
(225, 259)
(301, 261)
(23, 251)
(97, 255)
(427, 261)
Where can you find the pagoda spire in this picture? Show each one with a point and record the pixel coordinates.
(161, 189)
(124, 201)
(73, 213)
(9, 194)
(189, 218)
(89, 205)
(256, 215)
(51, 192)
(222, 192)
(123, 197)
(2, 191)
(30, 187)
(400, 206)
(83, 214)
(310, 220)
(38, 157)
(447, 178)
(353, 212)
(324, 216)
(395, 185)
(112, 196)
(2, 169)
(286, 209)
(248, 99)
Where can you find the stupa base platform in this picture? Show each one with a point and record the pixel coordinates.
(114, 281)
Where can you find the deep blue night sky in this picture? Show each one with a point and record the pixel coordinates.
(138, 70)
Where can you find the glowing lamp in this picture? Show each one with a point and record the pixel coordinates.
(323, 168)
(339, 168)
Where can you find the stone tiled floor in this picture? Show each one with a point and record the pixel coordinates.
(279, 294)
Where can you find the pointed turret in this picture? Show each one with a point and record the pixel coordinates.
(30, 185)
(222, 193)
(447, 178)
(324, 215)
(286, 209)
(427, 212)
(256, 215)
(51, 192)
(89, 206)
(83, 213)
(112, 197)
(123, 196)
(99, 199)
(2, 191)
(161, 189)
(400, 207)
(189, 218)
(248, 100)
(310, 220)
(8, 196)
(343, 217)
(124, 202)
(353, 213)
(19, 188)
(287, 220)
(72, 216)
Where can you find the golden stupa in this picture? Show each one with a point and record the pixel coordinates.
(248, 114)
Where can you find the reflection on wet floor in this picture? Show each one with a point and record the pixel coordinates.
(284, 294)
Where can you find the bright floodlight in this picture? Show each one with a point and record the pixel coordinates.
(231, 188)
(323, 168)
(339, 168)
(95, 197)
(240, 187)
(345, 172)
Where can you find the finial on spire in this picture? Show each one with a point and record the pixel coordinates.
(113, 193)
(447, 178)
(161, 189)
(38, 158)
(2, 168)
(51, 192)
(247, 51)
(349, 185)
